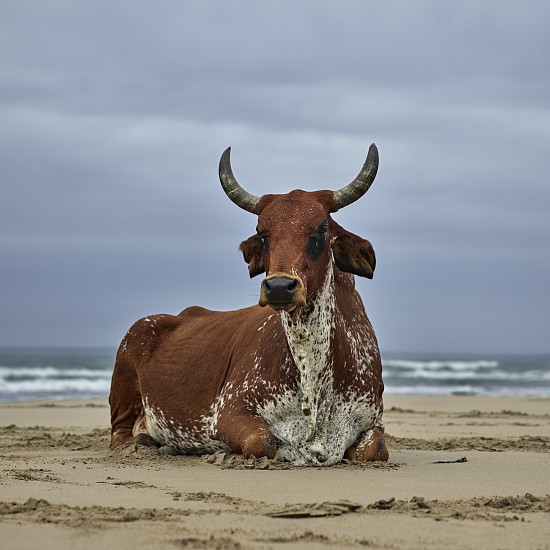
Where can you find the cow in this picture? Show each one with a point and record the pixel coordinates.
(297, 377)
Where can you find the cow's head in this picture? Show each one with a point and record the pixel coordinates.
(296, 238)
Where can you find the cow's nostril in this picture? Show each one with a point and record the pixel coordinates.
(280, 290)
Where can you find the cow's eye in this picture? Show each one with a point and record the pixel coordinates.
(316, 242)
(323, 229)
(265, 242)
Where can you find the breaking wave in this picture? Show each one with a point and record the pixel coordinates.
(27, 374)
(54, 374)
(504, 376)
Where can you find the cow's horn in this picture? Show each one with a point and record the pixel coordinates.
(232, 188)
(360, 185)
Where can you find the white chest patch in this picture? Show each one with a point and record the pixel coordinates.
(339, 424)
(309, 342)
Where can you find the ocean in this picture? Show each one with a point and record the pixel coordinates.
(63, 373)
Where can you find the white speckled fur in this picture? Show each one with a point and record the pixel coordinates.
(309, 340)
(168, 431)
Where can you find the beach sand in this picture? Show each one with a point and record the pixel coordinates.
(464, 472)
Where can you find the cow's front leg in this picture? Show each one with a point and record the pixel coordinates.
(369, 447)
(245, 433)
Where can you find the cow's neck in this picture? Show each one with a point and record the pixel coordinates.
(309, 334)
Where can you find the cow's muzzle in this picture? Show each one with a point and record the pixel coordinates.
(282, 292)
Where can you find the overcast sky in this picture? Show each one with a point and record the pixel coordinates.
(113, 116)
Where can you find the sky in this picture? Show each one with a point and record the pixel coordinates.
(114, 114)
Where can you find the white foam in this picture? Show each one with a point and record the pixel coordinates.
(437, 365)
(42, 387)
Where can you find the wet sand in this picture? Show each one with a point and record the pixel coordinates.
(464, 472)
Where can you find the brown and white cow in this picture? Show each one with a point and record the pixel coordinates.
(301, 378)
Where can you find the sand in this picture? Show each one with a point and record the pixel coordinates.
(464, 472)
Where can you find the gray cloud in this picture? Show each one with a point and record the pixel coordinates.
(113, 117)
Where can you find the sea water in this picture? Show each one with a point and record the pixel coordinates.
(55, 373)
(63, 373)
(446, 374)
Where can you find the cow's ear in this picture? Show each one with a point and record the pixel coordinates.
(253, 254)
(353, 254)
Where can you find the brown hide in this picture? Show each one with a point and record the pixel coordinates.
(303, 378)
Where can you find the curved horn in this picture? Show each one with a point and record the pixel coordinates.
(360, 185)
(232, 188)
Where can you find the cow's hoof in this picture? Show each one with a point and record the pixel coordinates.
(374, 449)
(118, 439)
(259, 445)
(145, 440)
